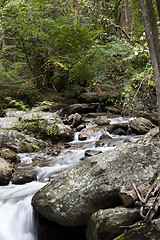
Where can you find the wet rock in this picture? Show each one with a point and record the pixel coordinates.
(89, 153)
(119, 131)
(90, 132)
(10, 155)
(105, 136)
(75, 194)
(102, 120)
(24, 176)
(80, 127)
(75, 120)
(5, 172)
(20, 142)
(8, 122)
(106, 224)
(145, 231)
(112, 127)
(141, 125)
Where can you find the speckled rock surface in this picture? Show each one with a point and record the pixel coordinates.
(141, 125)
(150, 231)
(19, 142)
(5, 172)
(74, 195)
(107, 224)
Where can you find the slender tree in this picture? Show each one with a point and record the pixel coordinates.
(149, 22)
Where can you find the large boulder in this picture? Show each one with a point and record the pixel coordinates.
(74, 195)
(141, 125)
(45, 125)
(107, 224)
(20, 142)
(5, 172)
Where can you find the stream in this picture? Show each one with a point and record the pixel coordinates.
(16, 213)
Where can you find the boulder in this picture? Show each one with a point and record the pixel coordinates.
(10, 155)
(75, 120)
(105, 136)
(145, 231)
(23, 176)
(112, 127)
(5, 172)
(152, 136)
(141, 125)
(75, 194)
(79, 108)
(90, 132)
(119, 131)
(102, 120)
(20, 142)
(106, 224)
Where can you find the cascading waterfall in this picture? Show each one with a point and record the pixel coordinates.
(16, 213)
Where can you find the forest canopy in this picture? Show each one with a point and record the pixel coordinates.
(51, 46)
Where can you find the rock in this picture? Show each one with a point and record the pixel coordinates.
(102, 120)
(145, 231)
(90, 132)
(5, 172)
(20, 142)
(23, 176)
(89, 153)
(10, 155)
(112, 110)
(79, 108)
(151, 137)
(106, 224)
(112, 127)
(119, 131)
(8, 122)
(75, 194)
(2, 113)
(105, 136)
(141, 125)
(80, 127)
(64, 133)
(75, 120)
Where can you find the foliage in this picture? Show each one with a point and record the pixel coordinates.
(51, 46)
(37, 128)
(15, 104)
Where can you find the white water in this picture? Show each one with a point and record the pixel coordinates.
(16, 213)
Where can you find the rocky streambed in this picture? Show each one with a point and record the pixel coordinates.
(71, 169)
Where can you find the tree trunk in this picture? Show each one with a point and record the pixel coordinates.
(153, 43)
(158, 8)
(127, 16)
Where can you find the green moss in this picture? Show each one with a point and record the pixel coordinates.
(37, 128)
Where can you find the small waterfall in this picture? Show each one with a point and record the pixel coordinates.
(98, 110)
(16, 213)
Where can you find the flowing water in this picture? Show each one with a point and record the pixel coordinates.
(16, 213)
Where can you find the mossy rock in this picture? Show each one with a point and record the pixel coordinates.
(148, 231)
